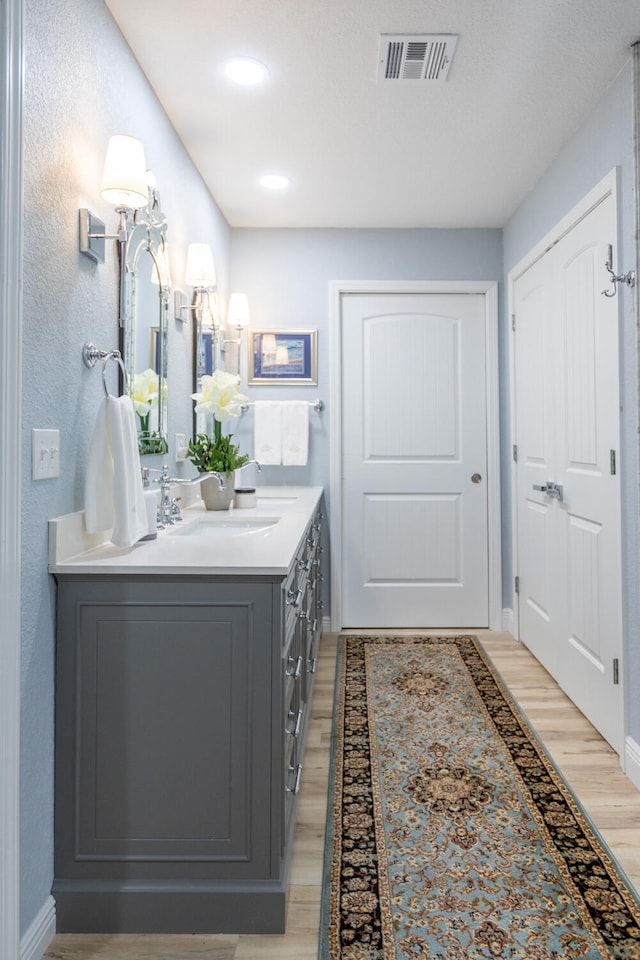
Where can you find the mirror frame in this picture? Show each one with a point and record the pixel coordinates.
(148, 234)
(206, 350)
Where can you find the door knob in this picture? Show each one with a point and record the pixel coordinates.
(476, 478)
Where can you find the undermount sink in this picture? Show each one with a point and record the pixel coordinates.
(227, 526)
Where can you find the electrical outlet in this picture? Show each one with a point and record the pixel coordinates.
(45, 454)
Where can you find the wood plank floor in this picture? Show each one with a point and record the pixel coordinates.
(587, 762)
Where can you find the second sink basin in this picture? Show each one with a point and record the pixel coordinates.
(226, 526)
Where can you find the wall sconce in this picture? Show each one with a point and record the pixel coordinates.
(125, 185)
(237, 316)
(200, 273)
(129, 186)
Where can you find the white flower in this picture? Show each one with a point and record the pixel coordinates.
(220, 396)
(145, 391)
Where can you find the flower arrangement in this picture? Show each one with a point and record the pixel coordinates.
(220, 396)
(146, 391)
(145, 397)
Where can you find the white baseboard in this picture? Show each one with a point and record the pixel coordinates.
(40, 933)
(632, 761)
(507, 620)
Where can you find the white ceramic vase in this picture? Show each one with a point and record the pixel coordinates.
(214, 498)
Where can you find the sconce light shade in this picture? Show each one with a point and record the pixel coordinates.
(200, 271)
(238, 312)
(124, 180)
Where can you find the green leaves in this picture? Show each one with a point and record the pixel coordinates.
(217, 454)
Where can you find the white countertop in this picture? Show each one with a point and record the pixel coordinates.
(195, 545)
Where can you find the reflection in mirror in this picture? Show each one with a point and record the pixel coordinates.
(206, 352)
(145, 276)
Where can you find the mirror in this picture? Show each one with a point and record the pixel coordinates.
(144, 276)
(206, 357)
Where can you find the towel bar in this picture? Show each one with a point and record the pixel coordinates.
(91, 354)
(318, 405)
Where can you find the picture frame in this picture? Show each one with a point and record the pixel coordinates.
(283, 356)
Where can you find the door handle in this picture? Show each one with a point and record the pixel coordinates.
(553, 490)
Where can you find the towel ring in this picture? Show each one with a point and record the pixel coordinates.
(91, 354)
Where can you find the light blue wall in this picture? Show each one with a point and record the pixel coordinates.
(286, 275)
(82, 84)
(603, 143)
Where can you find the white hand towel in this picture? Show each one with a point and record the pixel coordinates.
(267, 431)
(114, 495)
(295, 433)
(98, 482)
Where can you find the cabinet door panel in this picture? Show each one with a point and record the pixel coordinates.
(170, 749)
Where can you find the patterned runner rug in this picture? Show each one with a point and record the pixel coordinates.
(450, 833)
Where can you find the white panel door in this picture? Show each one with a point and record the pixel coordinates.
(567, 416)
(414, 453)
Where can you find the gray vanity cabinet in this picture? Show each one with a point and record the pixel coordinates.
(180, 721)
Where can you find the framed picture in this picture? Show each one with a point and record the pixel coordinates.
(283, 356)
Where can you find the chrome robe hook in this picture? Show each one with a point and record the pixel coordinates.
(628, 278)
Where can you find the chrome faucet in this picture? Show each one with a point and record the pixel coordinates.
(169, 509)
(166, 514)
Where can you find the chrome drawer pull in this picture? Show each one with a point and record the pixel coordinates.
(298, 668)
(296, 787)
(297, 715)
(312, 664)
(305, 565)
(294, 597)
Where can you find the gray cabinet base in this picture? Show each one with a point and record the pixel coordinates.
(117, 907)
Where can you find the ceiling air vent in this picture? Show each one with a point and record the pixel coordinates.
(415, 56)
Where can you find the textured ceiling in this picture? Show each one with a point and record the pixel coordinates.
(363, 153)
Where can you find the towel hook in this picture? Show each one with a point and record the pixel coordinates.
(91, 354)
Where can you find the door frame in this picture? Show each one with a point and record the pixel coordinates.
(11, 85)
(608, 185)
(489, 289)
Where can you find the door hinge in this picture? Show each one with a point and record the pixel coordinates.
(517, 584)
(515, 453)
(513, 322)
(612, 462)
(616, 670)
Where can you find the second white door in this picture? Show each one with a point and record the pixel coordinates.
(414, 460)
(567, 433)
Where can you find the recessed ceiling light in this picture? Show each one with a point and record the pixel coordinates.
(273, 181)
(246, 71)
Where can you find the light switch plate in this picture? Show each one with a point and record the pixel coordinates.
(45, 454)
(182, 447)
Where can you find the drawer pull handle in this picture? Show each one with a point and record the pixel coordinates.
(295, 673)
(296, 786)
(312, 664)
(294, 597)
(305, 565)
(297, 715)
